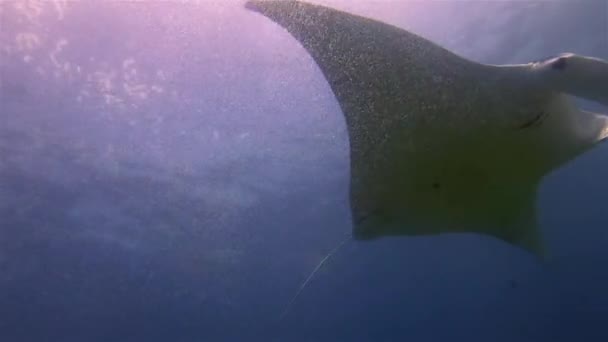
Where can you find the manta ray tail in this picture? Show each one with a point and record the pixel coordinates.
(312, 274)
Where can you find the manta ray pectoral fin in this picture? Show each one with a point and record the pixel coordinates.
(373, 68)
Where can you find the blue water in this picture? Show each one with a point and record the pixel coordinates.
(174, 171)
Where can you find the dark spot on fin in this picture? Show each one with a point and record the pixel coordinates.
(436, 185)
(559, 64)
(535, 121)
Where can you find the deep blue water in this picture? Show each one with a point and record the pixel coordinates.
(173, 172)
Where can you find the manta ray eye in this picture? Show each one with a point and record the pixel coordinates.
(559, 64)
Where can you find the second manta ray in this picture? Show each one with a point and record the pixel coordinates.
(438, 143)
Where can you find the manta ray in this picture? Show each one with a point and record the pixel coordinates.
(439, 143)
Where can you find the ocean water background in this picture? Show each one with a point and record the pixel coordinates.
(173, 171)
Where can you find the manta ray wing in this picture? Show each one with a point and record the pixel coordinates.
(438, 143)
